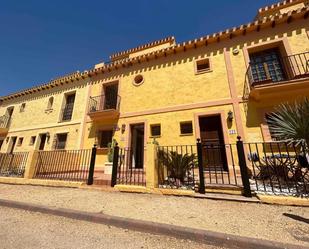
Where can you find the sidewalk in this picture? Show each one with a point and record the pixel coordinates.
(245, 219)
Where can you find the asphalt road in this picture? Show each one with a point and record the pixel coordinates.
(23, 229)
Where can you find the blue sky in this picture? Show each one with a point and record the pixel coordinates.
(42, 39)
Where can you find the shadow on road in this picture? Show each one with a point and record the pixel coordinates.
(297, 217)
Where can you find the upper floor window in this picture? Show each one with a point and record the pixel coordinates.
(186, 128)
(50, 103)
(267, 65)
(22, 107)
(67, 111)
(202, 65)
(138, 80)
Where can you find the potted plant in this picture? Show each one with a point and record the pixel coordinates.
(108, 167)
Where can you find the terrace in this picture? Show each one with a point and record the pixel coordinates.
(272, 73)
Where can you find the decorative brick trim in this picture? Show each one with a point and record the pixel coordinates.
(279, 5)
(170, 39)
(191, 44)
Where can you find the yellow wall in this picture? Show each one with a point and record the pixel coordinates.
(171, 82)
(283, 9)
(36, 119)
(171, 92)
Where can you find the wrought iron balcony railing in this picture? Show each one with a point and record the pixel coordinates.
(285, 69)
(5, 121)
(103, 103)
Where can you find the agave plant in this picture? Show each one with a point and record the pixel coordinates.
(290, 122)
(178, 165)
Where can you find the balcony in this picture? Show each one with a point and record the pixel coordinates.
(266, 79)
(5, 122)
(104, 107)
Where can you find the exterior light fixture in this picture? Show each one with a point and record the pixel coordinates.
(235, 51)
(230, 115)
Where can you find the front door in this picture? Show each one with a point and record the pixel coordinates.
(214, 155)
(12, 144)
(137, 145)
(42, 141)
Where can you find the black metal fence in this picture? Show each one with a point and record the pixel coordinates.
(13, 164)
(279, 167)
(274, 168)
(219, 164)
(274, 71)
(178, 166)
(128, 167)
(109, 101)
(66, 165)
(286, 68)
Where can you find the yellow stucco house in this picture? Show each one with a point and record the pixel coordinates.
(214, 88)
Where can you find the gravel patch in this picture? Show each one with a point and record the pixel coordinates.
(270, 222)
(37, 230)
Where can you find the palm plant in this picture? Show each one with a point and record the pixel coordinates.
(178, 166)
(290, 122)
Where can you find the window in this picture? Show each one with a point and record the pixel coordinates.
(20, 141)
(105, 138)
(22, 107)
(138, 79)
(32, 140)
(186, 128)
(50, 103)
(61, 140)
(67, 111)
(155, 130)
(202, 65)
(266, 65)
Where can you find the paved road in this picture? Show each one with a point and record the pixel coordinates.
(23, 229)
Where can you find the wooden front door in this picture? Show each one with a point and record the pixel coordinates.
(214, 155)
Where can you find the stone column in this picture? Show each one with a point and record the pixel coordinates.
(31, 163)
(151, 166)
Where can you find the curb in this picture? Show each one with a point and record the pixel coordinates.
(198, 235)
